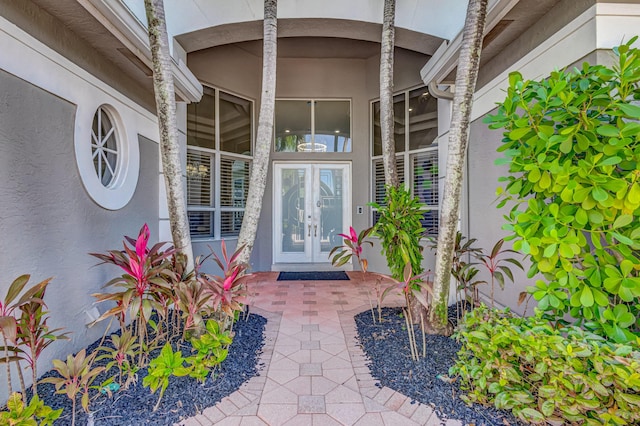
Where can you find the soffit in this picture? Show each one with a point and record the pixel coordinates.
(105, 45)
(307, 28)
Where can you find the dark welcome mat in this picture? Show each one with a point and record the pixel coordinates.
(313, 276)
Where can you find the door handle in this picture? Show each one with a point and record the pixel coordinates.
(309, 232)
(315, 230)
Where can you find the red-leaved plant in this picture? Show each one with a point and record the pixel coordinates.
(227, 292)
(27, 334)
(144, 285)
(352, 247)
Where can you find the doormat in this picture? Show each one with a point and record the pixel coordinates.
(313, 276)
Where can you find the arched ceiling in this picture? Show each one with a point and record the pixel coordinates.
(199, 24)
(320, 28)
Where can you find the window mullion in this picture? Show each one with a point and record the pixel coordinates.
(313, 125)
(216, 168)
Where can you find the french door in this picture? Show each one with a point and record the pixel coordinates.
(311, 207)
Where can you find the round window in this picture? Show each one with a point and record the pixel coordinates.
(107, 153)
(104, 147)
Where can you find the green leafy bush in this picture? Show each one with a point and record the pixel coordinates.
(36, 413)
(400, 230)
(543, 373)
(572, 146)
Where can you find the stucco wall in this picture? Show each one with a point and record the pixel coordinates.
(48, 223)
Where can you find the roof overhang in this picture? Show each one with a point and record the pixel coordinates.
(132, 33)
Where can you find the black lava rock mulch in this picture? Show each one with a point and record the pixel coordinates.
(387, 346)
(184, 397)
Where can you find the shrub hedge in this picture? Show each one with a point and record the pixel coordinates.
(546, 374)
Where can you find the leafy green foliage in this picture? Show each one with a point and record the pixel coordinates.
(495, 263)
(121, 355)
(211, 349)
(166, 364)
(34, 414)
(572, 146)
(400, 230)
(462, 270)
(542, 373)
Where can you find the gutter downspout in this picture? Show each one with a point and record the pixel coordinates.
(437, 93)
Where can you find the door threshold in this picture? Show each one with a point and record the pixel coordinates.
(307, 267)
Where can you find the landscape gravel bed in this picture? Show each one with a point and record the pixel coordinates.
(387, 346)
(185, 396)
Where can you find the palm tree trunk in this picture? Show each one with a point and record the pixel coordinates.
(386, 94)
(166, 110)
(260, 167)
(466, 76)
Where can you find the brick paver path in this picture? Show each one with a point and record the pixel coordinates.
(314, 373)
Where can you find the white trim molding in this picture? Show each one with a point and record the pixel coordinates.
(131, 32)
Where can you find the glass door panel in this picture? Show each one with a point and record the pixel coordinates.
(311, 208)
(331, 197)
(293, 205)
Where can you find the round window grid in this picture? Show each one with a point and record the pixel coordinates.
(104, 147)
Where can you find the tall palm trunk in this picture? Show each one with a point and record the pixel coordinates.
(386, 94)
(466, 76)
(260, 167)
(166, 110)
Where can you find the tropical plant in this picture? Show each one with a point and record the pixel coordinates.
(572, 147)
(34, 335)
(9, 324)
(495, 261)
(264, 137)
(353, 246)
(211, 349)
(466, 76)
(544, 374)
(420, 288)
(33, 414)
(161, 368)
(121, 354)
(164, 91)
(228, 292)
(463, 269)
(399, 227)
(192, 300)
(76, 376)
(145, 287)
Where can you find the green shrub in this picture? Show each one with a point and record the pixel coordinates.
(542, 373)
(572, 144)
(400, 230)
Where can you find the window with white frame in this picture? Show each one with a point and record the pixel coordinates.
(312, 125)
(219, 154)
(415, 137)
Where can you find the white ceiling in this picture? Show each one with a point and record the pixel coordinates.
(439, 18)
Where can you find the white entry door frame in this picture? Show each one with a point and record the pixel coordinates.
(312, 205)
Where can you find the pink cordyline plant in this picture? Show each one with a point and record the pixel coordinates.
(352, 246)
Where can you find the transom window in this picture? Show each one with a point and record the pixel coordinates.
(219, 154)
(309, 125)
(415, 137)
(104, 146)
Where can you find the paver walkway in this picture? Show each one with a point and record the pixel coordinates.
(314, 373)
